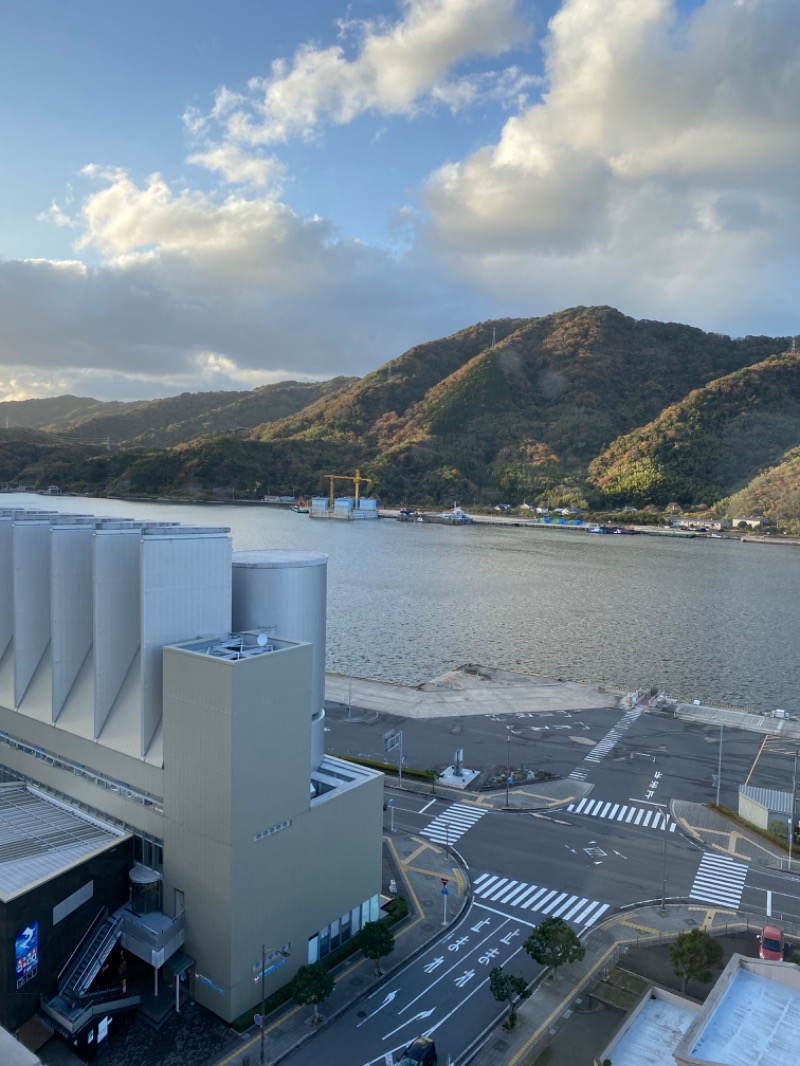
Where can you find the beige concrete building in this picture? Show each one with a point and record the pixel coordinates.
(125, 694)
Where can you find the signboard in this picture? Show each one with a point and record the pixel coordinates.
(26, 954)
(270, 969)
(392, 739)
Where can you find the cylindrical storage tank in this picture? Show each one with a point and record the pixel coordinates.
(287, 590)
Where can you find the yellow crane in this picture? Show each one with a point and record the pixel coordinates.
(358, 480)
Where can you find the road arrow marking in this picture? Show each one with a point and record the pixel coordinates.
(385, 1003)
(422, 1014)
(621, 855)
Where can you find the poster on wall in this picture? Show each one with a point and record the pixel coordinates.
(26, 953)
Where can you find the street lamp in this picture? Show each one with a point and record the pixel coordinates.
(273, 951)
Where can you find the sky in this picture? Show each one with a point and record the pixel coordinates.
(198, 196)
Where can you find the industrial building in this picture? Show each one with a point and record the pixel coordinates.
(165, 793)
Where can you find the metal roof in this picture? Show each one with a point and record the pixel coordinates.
(771, 798)
(40, 837)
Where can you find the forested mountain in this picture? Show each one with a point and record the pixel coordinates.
(710, 444)
(586, 406)
(166, 422)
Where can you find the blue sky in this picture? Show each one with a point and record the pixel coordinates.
(203, 196)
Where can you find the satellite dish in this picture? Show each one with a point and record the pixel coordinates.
(262, 640)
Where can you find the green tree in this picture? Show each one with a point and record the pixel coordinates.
(310, 986)
(552, 943)
(506, 987)
(376, 942)
(695, 954)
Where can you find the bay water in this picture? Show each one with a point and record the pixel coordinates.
(714, 620)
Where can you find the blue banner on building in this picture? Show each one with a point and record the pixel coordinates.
(26, 953)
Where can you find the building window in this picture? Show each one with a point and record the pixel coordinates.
(344, 932)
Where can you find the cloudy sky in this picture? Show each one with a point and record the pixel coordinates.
(197, 195)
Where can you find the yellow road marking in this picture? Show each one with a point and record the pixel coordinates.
(409, 889)
(758, 756)
(423, 847)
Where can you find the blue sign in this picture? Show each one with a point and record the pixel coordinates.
(444, 891)
(270, 969)
(209, 983)
(26, 954)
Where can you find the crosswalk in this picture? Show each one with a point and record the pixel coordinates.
(548, 902)
(453, 823)
(610, 740)
(644, 817)
(580, 773)
(719, 879)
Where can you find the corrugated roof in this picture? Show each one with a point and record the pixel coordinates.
(771, 798)
(39, 837)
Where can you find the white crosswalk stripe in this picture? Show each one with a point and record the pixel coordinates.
(453, 823)
(644, 817)
(548, 902)
(609, 741)
(606, 745)
(719, 879)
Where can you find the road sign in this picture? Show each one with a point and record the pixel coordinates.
(257, 1019)
(392, 740)
(445, 881)
(444, 890)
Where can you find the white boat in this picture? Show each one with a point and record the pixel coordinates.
(456, 517)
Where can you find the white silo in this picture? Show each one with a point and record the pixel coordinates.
(285, 593)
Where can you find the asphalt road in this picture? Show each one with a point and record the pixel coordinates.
(610, 850)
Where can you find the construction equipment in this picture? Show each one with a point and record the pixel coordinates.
(358, 480)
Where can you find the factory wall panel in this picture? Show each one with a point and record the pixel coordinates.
(31, 601)
(271, 742)
(186, 592)
(289, 885)
(72, 613)
(117, 615)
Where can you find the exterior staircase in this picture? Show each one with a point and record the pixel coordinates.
(87, 966)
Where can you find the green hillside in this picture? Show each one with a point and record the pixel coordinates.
(585, 407)
(711, 443)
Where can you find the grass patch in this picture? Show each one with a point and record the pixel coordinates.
(771, 838)
(390, 768)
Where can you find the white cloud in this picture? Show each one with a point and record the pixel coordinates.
(396, 69)
(657, 173)
(658, 168)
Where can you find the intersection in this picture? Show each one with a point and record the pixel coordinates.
(612, 847)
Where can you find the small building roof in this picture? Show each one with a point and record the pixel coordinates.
(650, 1034)
(751, 1017)
(771, 798)
(40, 837)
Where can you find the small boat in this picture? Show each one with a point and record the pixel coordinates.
(597, 529)
(456, 517)
(300, 507)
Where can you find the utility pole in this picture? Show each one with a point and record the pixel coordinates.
(508, 764)
(794, 807)
(665, 811)
(719, 766)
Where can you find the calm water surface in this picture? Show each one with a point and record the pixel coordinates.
(705, 619)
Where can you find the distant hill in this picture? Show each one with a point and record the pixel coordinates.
(710, 444)
(522, 416)
(586, 407)
(776, 493)
(54, 411)
(175, 420)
